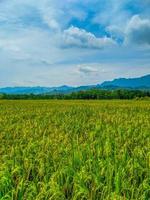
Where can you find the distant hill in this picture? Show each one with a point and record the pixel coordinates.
(128, 83)
(43, 90)
(34, 90)
(141, 82)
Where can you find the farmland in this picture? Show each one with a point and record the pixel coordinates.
(74, 150)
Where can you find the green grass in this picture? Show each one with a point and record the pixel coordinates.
(74, 150)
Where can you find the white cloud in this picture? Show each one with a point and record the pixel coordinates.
(138, 31)
(112, 13)
(75, 37)
(116, 32)
(87, 70)
(33, 35)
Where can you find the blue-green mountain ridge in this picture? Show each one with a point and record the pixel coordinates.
(120, 83)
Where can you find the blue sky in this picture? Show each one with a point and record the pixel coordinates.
(73, 42)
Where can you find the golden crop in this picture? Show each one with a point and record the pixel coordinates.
(74, 150)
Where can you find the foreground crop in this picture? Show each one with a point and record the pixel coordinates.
(75, 150)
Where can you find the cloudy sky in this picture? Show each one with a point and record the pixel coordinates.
(73, 42)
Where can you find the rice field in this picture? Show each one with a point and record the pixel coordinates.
(74, 150)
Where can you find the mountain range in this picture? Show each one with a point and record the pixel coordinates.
(124, 83)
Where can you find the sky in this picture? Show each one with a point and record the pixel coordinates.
(73, 42)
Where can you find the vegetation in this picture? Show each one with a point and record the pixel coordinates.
(74, 150)
(87, 94)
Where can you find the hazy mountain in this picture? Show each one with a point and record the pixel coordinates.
(33, 90)
(141, 82)
(133, 83)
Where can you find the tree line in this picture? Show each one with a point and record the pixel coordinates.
(88, 94)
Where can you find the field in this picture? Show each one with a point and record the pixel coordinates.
(74, 150)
